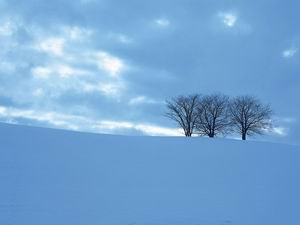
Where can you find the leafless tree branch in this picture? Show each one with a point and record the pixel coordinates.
(182, 110)
(249, 116)
(212, 117)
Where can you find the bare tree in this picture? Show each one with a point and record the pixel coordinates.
(249, 116)
(212, 117)
(182, 110)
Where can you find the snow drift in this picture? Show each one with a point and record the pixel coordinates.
(55, 177)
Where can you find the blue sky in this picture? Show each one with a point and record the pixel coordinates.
(108, 66)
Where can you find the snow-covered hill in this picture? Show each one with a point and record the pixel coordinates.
(55, 177)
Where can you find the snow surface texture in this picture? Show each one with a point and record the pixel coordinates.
(54, 177)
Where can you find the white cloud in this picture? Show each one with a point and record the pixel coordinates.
(281, 131)
(67, 65)
(41, 72)
(38, 92)
(121, 38)
(2, 110)
(162, 22)
(113, 125)
(62, 70)
(111, 64)
(290, 52)
(146, 129)
(6, 28)
(82, 123)
(124, 39)
(66, 36)
(63, 56)
(61, 64)
(142, 100)
(55, 119)
(7, 66)
(158, 130)
(82, 80)
(77, 33)
(231, 22)
(229, 19)
(89, 87)
(53, 46)
(109, 89)
(66, 71)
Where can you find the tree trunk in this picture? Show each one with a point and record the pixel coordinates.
(188, 134)
(244, 136)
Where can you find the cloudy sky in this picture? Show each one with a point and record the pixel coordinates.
(107, 66)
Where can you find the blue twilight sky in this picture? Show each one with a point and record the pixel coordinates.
(108, 66)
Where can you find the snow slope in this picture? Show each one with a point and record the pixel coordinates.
(55, 177)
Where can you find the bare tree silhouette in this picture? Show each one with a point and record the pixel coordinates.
(249, 116)
(183, 110)
(212, 116)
